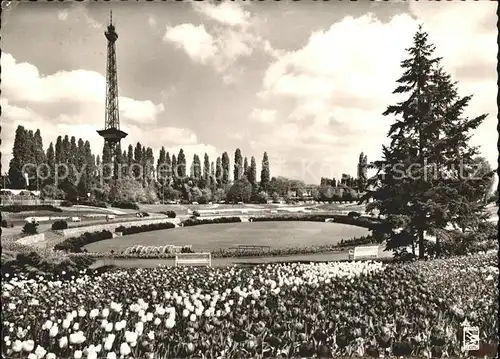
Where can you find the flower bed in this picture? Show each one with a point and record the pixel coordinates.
(42, 262)
(235, 252)
(292, 310)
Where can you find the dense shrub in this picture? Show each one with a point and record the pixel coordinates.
(354, 214)
(94, 203)
(196, 213)
(30, 228)
(4, 223)
(125, 205)
(169, 214)
(361, 222)
(59, 225)
(66, 203)
(75, 244)
(16, 208)
(198, 221)
(144, 228)
(32, 264)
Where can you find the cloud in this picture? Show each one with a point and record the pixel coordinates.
(227, 13)
(195, 40)
(331, 92)
(221, 45)
(263, 115)
(72, 103)
(23, 82)
(140, 111)
(152, 21)
(62, 15)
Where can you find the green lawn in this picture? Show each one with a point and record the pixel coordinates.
(213, 236)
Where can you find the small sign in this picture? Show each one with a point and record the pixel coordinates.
(471, 338)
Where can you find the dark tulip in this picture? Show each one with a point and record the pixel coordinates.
(240, 336)
(306, 350)
(384, 341)
(372, 351)
(436, 351)
(402, 349)
(274, 341)
(324, 352)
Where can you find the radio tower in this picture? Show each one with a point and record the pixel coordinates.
(112, 134)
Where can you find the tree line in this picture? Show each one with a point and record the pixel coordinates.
(69, 170)
(347, 188)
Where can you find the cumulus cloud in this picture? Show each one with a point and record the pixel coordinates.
(152, 21)
(263, 115)
(331, 92)
(62, 15)
(227, 13)
(233, 37)
(72, 103)
(194, 40)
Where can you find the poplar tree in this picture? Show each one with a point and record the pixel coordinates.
(19, 156)
(264, 173)
(252, 172)
(218, 172)
(238, 165)
(225, 168)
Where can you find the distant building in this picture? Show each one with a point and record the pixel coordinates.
(19, 196)
(307, 192)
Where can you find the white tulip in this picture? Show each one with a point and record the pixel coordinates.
(125, 349)
(63, 342)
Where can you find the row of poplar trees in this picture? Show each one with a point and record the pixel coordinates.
(172, 170)
(79, 161)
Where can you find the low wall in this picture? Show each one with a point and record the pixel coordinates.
(76, 231)
(32, 240)
(45, 219)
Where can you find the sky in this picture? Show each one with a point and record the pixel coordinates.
(305, 81)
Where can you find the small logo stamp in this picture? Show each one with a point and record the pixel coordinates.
(471, 338)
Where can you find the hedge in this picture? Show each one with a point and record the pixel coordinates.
(195, 221)
(75, 244)
(144, 228)
(361, 222)
(94, 203)
(16, 208)
(66, 203)
(169, 214)
(125, 205)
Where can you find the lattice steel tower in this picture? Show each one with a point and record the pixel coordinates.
(112, 134)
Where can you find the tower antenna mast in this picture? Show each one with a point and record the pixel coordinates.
(111, 133)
